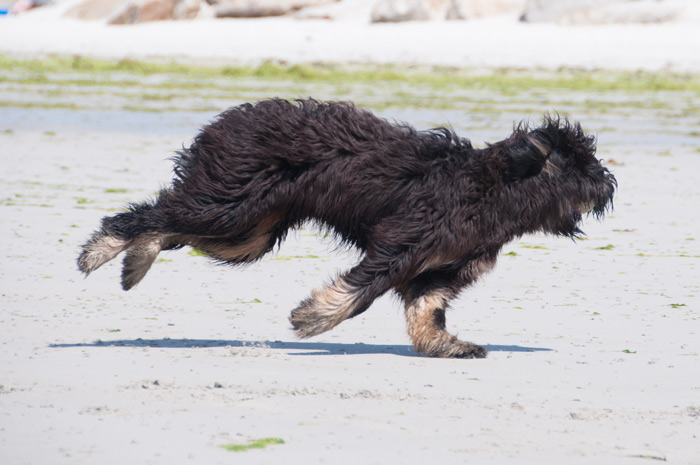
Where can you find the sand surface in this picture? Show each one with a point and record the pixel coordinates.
(594, 346)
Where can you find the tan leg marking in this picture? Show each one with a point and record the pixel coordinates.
(325, 309)
(254, 247)
(138, 260)
(99, 251)
(426, 327)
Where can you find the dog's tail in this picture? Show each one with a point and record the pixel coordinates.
(133, 231)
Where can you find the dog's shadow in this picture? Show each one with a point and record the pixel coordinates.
(313, 348)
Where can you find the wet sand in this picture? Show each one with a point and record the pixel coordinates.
(594, 352)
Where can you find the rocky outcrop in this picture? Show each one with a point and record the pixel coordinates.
(610, 11)
(344, 10)
(390, 11)
(258, 8)
(558, 11)
(476, 9)
(137, 11)
(554, 10)
(424, 10)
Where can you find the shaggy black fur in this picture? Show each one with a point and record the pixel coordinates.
(429, 212)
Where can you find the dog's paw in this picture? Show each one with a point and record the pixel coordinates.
(325, 309)
(307, 321)
(469, 350)
(452, 348)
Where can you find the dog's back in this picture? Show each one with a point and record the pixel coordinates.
(260, 169)
(328, 161)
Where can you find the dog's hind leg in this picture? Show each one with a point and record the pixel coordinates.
(101, 248)
(117, 234)
(244, 248)
(137, 232)
(138, 260)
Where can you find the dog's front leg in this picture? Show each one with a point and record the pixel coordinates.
(426, 297)
(349, 295)
(425, 316)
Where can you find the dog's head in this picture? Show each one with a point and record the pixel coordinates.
(556, 163)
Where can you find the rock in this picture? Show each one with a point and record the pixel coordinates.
(423, 10)
(344, 10)
(537, 11)
(128, 13)
(21, 6)
(156, 10)
(188, 9)
(640, 12)
(475, 9)
(95, 9)
(137, 11)
(583, 12)
(389, 11)
(258, 8)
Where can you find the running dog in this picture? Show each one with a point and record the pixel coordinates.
(429, 212)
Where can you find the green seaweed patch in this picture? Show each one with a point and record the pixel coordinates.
(197, 253)
(605, 247)
(627, 351)
(436, 77)
(286, 258)
(22, 316)
(677, 305)
(649, 457)
(60, 105)
(158, 97)
(117, 190)
(511, 254)
(253, 444)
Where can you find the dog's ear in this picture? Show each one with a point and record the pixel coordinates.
(528, 154)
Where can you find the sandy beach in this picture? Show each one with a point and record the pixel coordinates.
(594, 353)
(499, 41)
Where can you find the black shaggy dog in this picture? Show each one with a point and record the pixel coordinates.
(429, 212)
